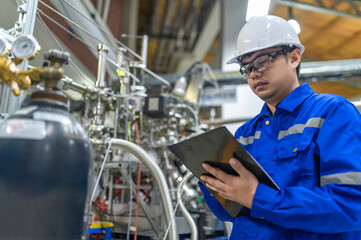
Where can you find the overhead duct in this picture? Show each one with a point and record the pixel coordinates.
(341, 69)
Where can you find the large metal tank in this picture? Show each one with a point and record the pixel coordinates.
(46, 168)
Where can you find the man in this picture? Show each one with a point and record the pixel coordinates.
(309, 143)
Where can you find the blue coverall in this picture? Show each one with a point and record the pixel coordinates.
(311, 148)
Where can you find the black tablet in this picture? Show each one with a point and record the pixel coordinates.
(216, 147)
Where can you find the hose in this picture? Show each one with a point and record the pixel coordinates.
(158, 177)
(184, 211)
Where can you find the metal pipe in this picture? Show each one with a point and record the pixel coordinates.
(102, 49)
(330, 67)
(182, 208)
(67, 83)
(99, 6)
(106, 10)
(117, 103)
(158, 176)
(144, 54)
(124, 186)
(100, 83)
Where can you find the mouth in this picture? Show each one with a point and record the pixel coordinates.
(258, 84)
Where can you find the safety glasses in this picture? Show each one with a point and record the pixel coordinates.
(261, 63)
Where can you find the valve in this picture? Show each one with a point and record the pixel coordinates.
(25, 47)
(53, 73)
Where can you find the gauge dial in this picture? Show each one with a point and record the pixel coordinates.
(4, 46)
(25, 47)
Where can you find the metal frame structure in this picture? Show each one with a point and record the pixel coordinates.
(25, 25)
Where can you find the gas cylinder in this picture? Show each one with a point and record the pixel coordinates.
(46, 169)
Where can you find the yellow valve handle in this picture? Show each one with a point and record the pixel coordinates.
(120, 72)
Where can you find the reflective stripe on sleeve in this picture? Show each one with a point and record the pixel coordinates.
(342, 178)
(298, 128)
(250, 139)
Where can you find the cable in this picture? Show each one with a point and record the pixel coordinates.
(91, 35)
(56, 41)
(154, 75)
(101, 29)
(130, 203)
(138, 183)
(69, 17)
(90, 47)
(121, 68)
(75, 24)
(171, 222)
(65, 29)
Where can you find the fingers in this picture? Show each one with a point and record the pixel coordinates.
(214, 184)
(216, 172)
(237, 166)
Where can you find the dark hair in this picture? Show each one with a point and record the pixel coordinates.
(290, 49)
(298, 69)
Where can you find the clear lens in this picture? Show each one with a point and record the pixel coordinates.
(260, 63)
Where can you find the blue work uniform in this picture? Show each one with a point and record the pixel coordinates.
(311, 148)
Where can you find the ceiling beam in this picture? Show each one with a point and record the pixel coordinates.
(321, 31)
(205, 40)
(164, 30)
(320, 9)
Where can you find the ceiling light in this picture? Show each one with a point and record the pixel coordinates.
(295, 25)
(257, 8)
(292, 21)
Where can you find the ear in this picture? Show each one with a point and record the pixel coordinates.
(295, 57)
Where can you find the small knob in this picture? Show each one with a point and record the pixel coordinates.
(54, 55)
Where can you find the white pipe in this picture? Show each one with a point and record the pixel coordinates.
(106, 10)
(184, 211)
(158, 177)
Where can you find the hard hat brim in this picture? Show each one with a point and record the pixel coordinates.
(236, 59)
(233, 60)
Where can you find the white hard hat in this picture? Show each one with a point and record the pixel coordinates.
(263, 32)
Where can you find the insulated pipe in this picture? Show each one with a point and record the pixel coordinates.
(184, 211)
(158, 176)
(145, 40)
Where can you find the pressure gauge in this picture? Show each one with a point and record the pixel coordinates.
(25, 47)
(4, 46)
